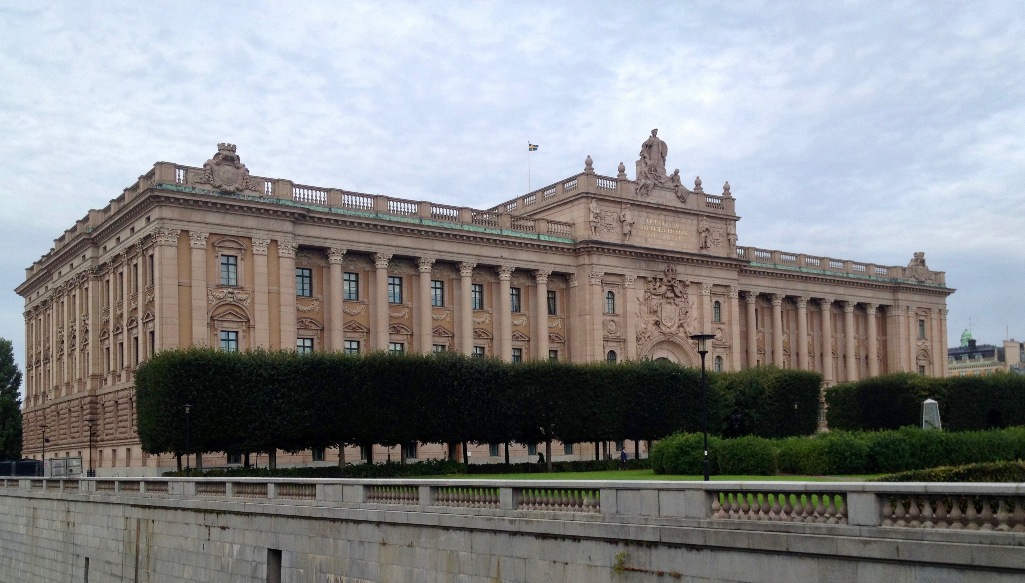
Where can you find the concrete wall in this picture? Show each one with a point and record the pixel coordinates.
(475, 531)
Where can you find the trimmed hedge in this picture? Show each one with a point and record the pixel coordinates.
(747, 455)
(988, 472)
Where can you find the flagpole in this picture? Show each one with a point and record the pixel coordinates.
(528, 166)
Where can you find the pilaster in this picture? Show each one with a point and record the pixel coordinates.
(850, 334)
(630, 317)
(873, 340)
(595, 334)
(802, 332)
(735, 358)
(335, 300)
(751, 299)
(286, 269)
(200, 334)
(777, 330)
(541, 311)
(828, 377)
(165, 263)
(503, 315)
(381, 322)
(261, 301)
(425, 264)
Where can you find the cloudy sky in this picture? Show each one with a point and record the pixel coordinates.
(856, 130)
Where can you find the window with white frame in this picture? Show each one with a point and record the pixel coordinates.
(229, 340)
(437, 293)
(351, 347)
(229, 270)
(394, 289)
(477, 296)
(350, 286)
(304, 345)
(610, 302)
(515, 300)
(304, 282)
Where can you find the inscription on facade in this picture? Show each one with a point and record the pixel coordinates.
(661, 229)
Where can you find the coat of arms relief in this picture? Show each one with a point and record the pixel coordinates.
(665, 308)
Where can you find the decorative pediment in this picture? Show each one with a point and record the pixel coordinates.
(355, 327)
(442, 332)
(555, 338)
(399, 329)
(231, 314)
(308, 324)
(133, 322)
(104, 333)
(148, 316)
(520, 336)
(118, 328)
(481, 334)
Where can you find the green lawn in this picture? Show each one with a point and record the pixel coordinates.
(649, 475)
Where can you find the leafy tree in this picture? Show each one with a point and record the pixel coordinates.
(10, 403)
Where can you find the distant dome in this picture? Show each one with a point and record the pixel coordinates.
(965, 337)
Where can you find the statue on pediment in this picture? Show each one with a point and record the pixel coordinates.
(918, 270)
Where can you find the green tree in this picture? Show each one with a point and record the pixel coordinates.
(10, 403)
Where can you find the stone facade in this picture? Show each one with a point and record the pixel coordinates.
(590, 268)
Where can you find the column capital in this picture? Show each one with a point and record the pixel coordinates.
(826, 303)
(870, 309)
(777, 299)
(287, 248)
(801, 301)
(911, 310)
(629, 280)
(166, 237)
(505, 272)
(197, 240)
(750, 297)
(848, 306)
(594, 278)
(466, 269)
(943, 313)
(706, 289)
(541, 276)
(425, 264)
(381, 260)
(260, 246)
(572, 280)
(336, 255)
(732, 292)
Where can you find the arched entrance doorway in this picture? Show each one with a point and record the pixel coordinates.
(674, 351)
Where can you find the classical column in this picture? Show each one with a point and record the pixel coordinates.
(706, 309)
(200, 334)
(894, 338)
(873, 341)
(827, 341)
(943, 341)
(165, 268)
(850, 334)
(630, 317)
(286, 269)
(912, 339)
(777, 330)
(503, 315)
(573, 320)
(425, 332)
(541, 314)
(734, 295)
(335, 299)
(261, 300)
(752, 328)
(596, 335)
(802, 332)
(936, 349)
(381, 301)
(466, 307)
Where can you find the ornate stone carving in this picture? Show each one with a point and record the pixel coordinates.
(381, 260)
(307, 305)
(482, 319)
(359, 309)
(601, 221)
(336, 256)
(588, 165)
(732, 292)
(557, 323)
(572, 279)
(626, 218)
(287, 248)
(611, 327)
(541, 276)
(230, 295)
(166, 237)
(198, 240)
(519, 321)
(226, 172)
(666, 307)
(651, 167)
(308, 324)
(629, 281)
(594, 278)
(425, 264)
(442, 318)
(260, 246)
(848, 307)
(505, 272)
(466, 269)
(622, 171)
(706, 289)
(776, 299)
(404, 312)
(917, 269)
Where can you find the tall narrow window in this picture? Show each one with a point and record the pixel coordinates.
(921, 329)
(394, 289)
(717, 311)
(718, 364)
(477, 296)
(514, 299)
(610, 302)
(553, 304)
(304, 345)
(229, 270)
(437, 293)
(517, 355)
(304, 282)
(350, 287)
(151, 272)
(611, 357)
(229, 340)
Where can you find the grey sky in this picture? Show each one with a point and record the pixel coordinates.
(857, 130)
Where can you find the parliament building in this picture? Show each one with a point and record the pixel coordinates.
(590, 268)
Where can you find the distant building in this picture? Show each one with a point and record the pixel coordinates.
(590, 268)
(971, 358)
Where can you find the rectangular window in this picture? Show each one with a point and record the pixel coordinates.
(234, 458)
(921, 369)
(553, 304)
(229, 270)
(396, 348)
(151, 275)
(517, 355)
(152, 342)
(135, 350)
(532, 449)
(409, 450)
(350, 287)
(304, 345)
(438, 348)
(567, 448)
(478, 352)
(318, 454)
(514, 299)
(229, 340)
(135, 278)
(304, 282)
(620, 445)
(394, 289)
(921, 329)
(437, 293)
(477, 296)
(493, 450)
(553, 355)
(351, 347)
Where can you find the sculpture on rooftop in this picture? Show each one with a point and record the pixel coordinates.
(918, 270)
(225, 171)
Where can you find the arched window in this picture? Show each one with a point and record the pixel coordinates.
(717, 312)
(718, 363)
(610, 302)
(611, 357)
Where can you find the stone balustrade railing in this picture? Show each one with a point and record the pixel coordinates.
(803, 262)
(970, 507)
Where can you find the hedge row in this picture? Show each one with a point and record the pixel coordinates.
(891, 401)
(987, 472)
(262, 401)
(838, 453)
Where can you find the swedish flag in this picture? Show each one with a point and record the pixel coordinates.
(531, 147)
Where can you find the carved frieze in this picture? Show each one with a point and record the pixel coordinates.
(356, 310)
(403, 313)
(230, 295)
(307, 305)
(482, 319)
(665, 308)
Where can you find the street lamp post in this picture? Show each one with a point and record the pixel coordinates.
(90, 423)
(702, 340)
(188, 467)
(43, 455)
